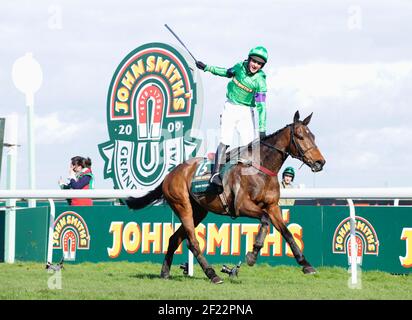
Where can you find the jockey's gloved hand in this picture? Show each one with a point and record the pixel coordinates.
(262, 134)
(230, 73)
(200, 65)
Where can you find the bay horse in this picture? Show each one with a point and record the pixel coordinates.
(250, 187)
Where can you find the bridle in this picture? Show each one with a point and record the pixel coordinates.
(301, 153)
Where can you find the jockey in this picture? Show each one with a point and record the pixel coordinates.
(287, 177)
(246, 91)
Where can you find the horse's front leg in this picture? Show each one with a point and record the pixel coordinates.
(249, 208)
(275, 216)
(251, 256)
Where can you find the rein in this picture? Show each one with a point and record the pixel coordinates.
(284, 153)
(301, 153)
(300, 156)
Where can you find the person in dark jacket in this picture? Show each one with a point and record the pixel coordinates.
(81, 178)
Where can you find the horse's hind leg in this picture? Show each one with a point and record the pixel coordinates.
(276, 218)
(259, 241)
(193, 246)
(185, 211)
(174, 242)
(199, 214)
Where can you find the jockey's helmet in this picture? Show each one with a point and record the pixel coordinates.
(259, 54)
(289, 171)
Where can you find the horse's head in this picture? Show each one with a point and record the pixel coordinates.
(302, 144)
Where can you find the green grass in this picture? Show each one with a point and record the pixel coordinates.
(124, 280)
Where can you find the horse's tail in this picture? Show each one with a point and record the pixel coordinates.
(149, 198)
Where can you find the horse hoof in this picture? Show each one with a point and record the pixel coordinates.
(309, 270)
(216, 280)
(250, 259)
(164, 275)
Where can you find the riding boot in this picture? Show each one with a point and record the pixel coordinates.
(220, 158)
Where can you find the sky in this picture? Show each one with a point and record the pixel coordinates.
(348, 62)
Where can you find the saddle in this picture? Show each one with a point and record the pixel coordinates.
(201, 186)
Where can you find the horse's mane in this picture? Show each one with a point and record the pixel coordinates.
(236, 152)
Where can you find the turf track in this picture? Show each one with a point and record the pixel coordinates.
(123, 280)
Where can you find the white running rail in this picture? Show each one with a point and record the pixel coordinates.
(349, 194)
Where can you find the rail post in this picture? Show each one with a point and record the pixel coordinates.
(10, 221)
(51, 229)
(354, 283)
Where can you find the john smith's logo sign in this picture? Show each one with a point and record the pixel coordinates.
(366, 239)
(151, 108)
(70, 233)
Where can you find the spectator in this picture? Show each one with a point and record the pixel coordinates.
(288, 175)
(80, 177)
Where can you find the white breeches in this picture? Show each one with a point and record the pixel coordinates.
(237, 119)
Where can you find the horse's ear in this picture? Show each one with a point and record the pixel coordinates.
(307, 119)
(296, 117)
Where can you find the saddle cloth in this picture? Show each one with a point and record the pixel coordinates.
(201, 187)
(200, 181)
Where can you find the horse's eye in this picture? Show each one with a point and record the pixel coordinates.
(297, 135)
